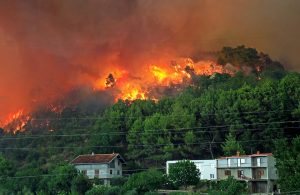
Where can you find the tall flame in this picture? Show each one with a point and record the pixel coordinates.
(16, 121)
(175, 72)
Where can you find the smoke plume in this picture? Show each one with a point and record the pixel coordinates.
(48, 48)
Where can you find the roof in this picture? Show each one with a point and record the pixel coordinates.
(245, 156)
(96, 158)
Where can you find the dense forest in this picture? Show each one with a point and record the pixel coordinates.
(214, 116)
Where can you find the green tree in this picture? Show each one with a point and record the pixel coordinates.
(61, 179)
(287, 163)
(238, 56)
(229, 186)
(231, 146)
(146, 181)
(6, 171)
(184, 173)
(81, 184)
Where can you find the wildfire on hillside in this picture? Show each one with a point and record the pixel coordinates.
(126, 86)
(178, 71)
(16, 121)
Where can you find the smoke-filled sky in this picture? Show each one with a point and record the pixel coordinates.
(50, 46)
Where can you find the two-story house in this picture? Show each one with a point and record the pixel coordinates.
(207, 168)
(258, 170)
(102, 166)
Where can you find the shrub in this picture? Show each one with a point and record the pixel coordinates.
(230, 186)
(145, 181)
(184, 173)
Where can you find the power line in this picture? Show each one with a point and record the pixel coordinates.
(137, 145)
(159, 131)
(168, 116)
(54, 175)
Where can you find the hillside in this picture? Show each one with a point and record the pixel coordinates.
(253, 109)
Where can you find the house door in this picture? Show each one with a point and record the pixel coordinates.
(97, 173)
(240, 173)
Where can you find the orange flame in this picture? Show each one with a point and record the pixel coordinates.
(132, 93)
(176, 72)
(16, 121)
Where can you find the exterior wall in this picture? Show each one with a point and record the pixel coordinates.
(272, 171)
(115, 168)
(263, 161)
(260, 171)
(234, 162)
(259, 187)
(247, 172)
(207, 168)
(250, 165)
(106, 171)
(90, 170)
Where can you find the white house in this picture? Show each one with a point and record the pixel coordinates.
(207, 168)
(102, 166)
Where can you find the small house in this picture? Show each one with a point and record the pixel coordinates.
(102, 166)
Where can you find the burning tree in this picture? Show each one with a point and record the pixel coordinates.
(110, 81)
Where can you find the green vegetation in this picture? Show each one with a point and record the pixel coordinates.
(230, 186)
(145, 181)
(231, 146)
(184, 173)
(288, 165)
(216, 115)
(248, 59)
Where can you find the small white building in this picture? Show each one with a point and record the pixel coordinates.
(207, 168)
(102, 166)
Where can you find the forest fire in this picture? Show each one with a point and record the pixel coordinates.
(126, 86)
(178, 71)
(16, 121)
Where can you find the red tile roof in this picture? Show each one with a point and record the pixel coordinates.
(95, 158)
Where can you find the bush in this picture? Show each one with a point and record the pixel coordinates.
(230, 186)
(104, 190)
(113, 190)
(184, 173)
(81, 184)
(97, 189)
(152, 193)
(118, 181)
(131, 192)
(145, 181)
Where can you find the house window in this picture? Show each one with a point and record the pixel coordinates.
(97, 173)
(228, 162)
(118, 172)
(240, 173)
(84, 172)
(239, 162)
(258, 162)
(243, 161)
(112, 164)
(227, 173)
(111, 172)
(212, 176)
(260, 172)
